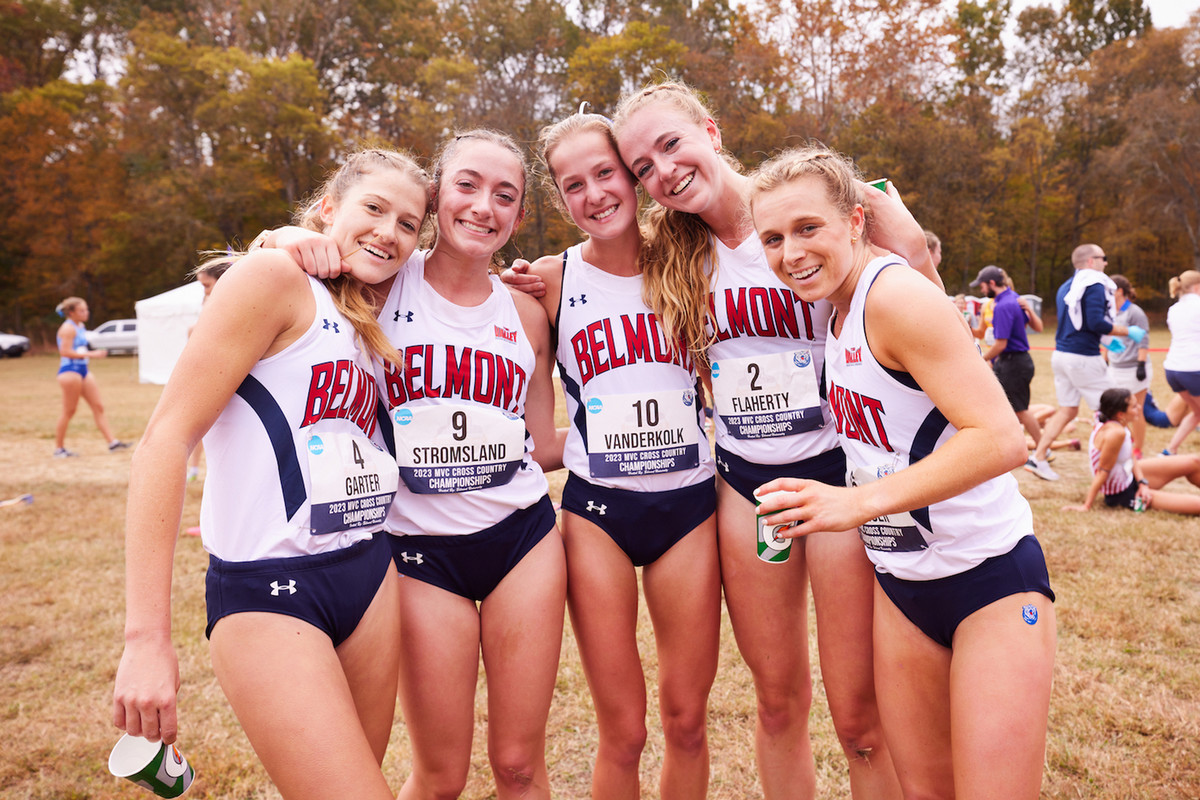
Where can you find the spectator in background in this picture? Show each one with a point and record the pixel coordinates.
(1128, 361)
(73, 376)
(1128, 482)
(1085, 313)
(1182, 364)
(935, 247)
(1009, 352)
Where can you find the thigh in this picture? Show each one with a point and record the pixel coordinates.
(843, 588)
(912, 680)
(522, 624)
(602, 595)
(439, 668)
(371, 660)
(683, 593)
(90, 390)
(285, 684)
(71, 384)
(767, 603)
(1000, 680)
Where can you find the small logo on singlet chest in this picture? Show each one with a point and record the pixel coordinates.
(582, 300)
(276, 588)
(408, 316)
(333, 326)
(598, 508)
(854, 355)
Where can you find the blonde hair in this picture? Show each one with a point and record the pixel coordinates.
(447, 151)
(552, 136)
(679, 244)
(345, 290)
(68, 305)
(836, 171)
(1183, 283)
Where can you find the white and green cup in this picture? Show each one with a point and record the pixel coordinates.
(773, 547)
(159, 767)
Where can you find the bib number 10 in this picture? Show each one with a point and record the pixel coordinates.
(650, 410)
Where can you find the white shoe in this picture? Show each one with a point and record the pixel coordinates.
(1041, 469)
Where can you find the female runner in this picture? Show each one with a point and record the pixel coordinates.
(713, 290)
(640, 491)
(73, 376)
(303, 604)
(1182, 363)
(1125, 480)
(474, 531)
(964, 629)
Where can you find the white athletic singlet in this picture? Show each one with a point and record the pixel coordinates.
(885, 422)
(636, 419)
(458, 408)
(293, 466)
(766, 355)
(1121, 475)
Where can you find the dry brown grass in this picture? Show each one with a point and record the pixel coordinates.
(1125, 719)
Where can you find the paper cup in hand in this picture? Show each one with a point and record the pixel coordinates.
(773, 547)
(159, 767)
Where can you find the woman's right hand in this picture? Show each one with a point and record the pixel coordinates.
(147, 687)
(519, 278)
(315, 252)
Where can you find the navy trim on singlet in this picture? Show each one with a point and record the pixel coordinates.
(384, 420)
(558, 308)
(571, 388)
(923, 444)
(291, 479)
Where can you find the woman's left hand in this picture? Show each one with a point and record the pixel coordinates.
(813, 505)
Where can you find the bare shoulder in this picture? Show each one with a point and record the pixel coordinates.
(548, 268)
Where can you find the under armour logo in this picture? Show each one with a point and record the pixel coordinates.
(276, 588)
(329, 325)
(593, 507)
(721, 463)
(418, 558)
(408, 316)
(582, 300)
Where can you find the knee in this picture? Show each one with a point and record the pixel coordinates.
(515, 770)
(686, 729)
(441, 785)
(623, 741)
(860, 734)
(780, 708)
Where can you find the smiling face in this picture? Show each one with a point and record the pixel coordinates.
(810, 243)
(376, 222)
(479, 196)
(598, 190)
(674, 157)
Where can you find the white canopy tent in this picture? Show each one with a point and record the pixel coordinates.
(163, 324)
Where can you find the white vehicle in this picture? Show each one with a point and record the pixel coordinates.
(13, 345)
(118, 335)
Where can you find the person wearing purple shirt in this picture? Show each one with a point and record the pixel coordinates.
(1009, 355)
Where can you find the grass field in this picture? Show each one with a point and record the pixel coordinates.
(1124, 720)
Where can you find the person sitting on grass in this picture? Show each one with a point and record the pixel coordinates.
(1128, 482)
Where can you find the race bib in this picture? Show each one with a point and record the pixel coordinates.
(766, 396)
(890, 533)
(353, 482)
(457, 447)
(644, 433)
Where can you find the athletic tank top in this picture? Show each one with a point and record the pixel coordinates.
(295, 465)
(885, 422)
(458, 409)
(1121, 475)
(78, 343)
(767, 350)
(632, 399)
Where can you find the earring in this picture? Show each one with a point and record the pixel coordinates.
(853, 238)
